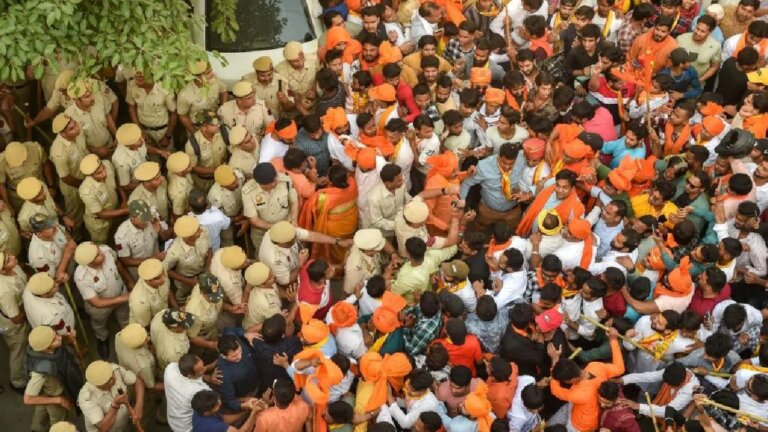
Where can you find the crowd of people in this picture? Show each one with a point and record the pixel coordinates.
(522, 216)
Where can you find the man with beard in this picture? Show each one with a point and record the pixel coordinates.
(615, 416)
(205, 92)
(268, 86)
(561, 196)
(480, 58)
(736, 19)
(246, 110)
(701, 42)
(427, 48)
(580, 59)
(760, 178)
(653, 46)
(671, 9)
(369, 56)
(445, 98)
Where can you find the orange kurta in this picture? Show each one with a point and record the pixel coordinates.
(440, 208)
(331, 211)
(644, 45)
(501, 393)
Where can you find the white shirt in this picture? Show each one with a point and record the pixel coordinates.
(367, 305)
(214, 221)
(683, 397)
(366, 181)
(610, 260)
(427, 147)
(729, 47)
(570, 253)
(761, 193)
(271, 148)
(336, 150)
(179, 391)
(576, 306)
(613, 31)
(754, 316)
(512, 288)
(349, 340)
(515, 11)
(526, 183)
(520, 419)
(404, 159)
(755, 259)
(415, 408)
(467, 296)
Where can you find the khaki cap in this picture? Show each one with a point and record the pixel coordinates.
(199, 67)
(262, 64)
(89, 164)
(256, 274)
(369, 239)
(242, 89)
(147, 171)
(86, 252)
(224, 175)
(15, 154)
(99, 372)
(60, 122)
(29, 188)
(416, 211)
(233, 257)
(128, 134)
(177, 162)
(186, 226)
(40, 283)
(40, 338)
(282, 232)
(150, 268)
(63, 426)
(78, 88)
(456, 269)
(133, 335)
(292, 50)
(237, 135)
(64, 78)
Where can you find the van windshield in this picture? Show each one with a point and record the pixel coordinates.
(264, 25)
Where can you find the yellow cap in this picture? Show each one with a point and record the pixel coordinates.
(256, 274)
(186, 226)
(29, 188)
(262, 64)
(89, 164)
(60, 122)
(99, 372)
(282, 232)
(224, 175)
(237, 135)
(177, 162)
(64, 78)
(78, 88)
(40, 338)
(128, 134)
(199, 67)
(15, 154)
(86, 252)
(40, 283)
(63, 426)
(416, 211)
(242, 89)
(133, 335)
(233, 257)
(146, 171)
(292, 50)
(150, 268)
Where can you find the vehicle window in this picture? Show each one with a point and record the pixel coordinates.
(264, 25)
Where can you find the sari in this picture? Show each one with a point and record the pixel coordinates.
(331, 211)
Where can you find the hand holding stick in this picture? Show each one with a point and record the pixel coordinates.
(735, 411)
(622, 337)
(136, 422)
(650, 408)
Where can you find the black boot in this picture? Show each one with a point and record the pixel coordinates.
(103, 348)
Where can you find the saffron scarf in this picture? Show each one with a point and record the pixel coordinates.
(569, 206)
(757, 124)
(506, 183)
(658, 344)
(675, 147)
(493, 247)
(608, 23)
(761, 47)
(667, 393)
(512, 100)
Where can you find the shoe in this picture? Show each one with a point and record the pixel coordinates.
(103, 349)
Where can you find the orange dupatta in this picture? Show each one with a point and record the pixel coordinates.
(757, 124)
(676, 146)
(761, 47)
(331, 211)
(542, 43)
(512, 100)
(570, 205)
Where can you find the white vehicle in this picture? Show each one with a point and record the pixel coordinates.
(265, 27)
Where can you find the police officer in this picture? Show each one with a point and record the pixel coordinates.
(297, 70)
(227, 265)
(207, 150)
(129, 154)
(133, 353)
(104, 399)
(152, 190)
(188, 256)
(267, 199)
(19, 161)
(269, 87)
(364, 260)
(136, 238)
(205, 93)
(168, 331)
(153, 108)
(37, 199)
(10, 240)
(98, 278)
(263, 296)
(180, 182)
(92, 112)
(246, 110)
(98, 191)
(57, 101)
(46, 306)
(205, 303)
(50, 249)
(226, 195)
(67, 150)
(150, 295)
(245, 151)
(12, 318)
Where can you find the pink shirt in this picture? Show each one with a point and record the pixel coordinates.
(602, 124)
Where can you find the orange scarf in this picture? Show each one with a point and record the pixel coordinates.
(559, 280)
(378, 142)
(542, 43)
(506, 183)
(512, 100)
(658, 343)
(569, 206)
(667, 393)
(761, 47)
(493, 247)
(676, 147)
(757, 124)
(384, 116)
(382, 372)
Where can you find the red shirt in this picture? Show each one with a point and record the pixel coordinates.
(705, 305)
(615, 304)
(404, 97)
(464, 355)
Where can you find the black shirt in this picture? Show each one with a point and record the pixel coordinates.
(268, 371)
(478, 268)
(577, 59)
(732, 83)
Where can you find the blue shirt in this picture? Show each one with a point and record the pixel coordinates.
(618, 149)
(214, 423)
(688, 83)
(238, 378)
(489, 176)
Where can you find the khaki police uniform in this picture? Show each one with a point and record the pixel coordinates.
(282, 261)
(50, 386)
(272, 207)
(268, 93)
(93, 122)
(29, 209)
(139, 360)
(194, 100)
(152, 108)
(255, 120)
(300, 81)
(31, 167)
(263, 302)
(230, 203)
(169, 346)
(383, 206)
(212, 154)
(48, 312)
(95, 403)
(66, 156)
(11, 290)
(145, 301)
(243, 161)
(96, 197)
(10, 240)
(104, 282)
(126, 160)
(188, 261)
(206, 312)
(132, 242)
(45, 256)
(232, 283)
(157, 200)
(360, 267)
(178, 193)
(59, 100)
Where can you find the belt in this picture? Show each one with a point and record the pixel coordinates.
(154, 128)
(205, 176)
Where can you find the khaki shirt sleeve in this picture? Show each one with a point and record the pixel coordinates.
(60, 160)
(8, 304)
(130, 99)
(92, 205)
(140, 312)
(147, 375)
(191, 152)
(183, 106)
(171, 258)
(54, 103)
(170, 101)
(123, 171)
(129, 378)
(35, 384)
(84, 284)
